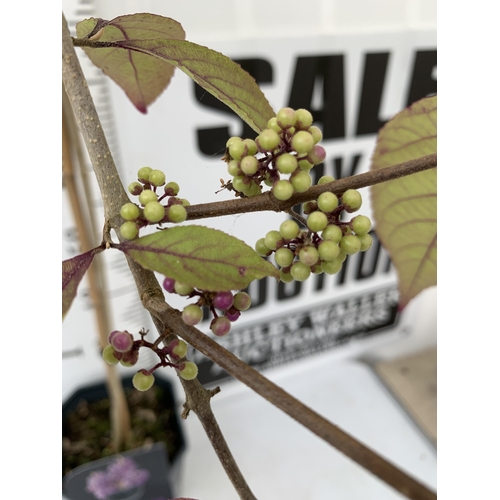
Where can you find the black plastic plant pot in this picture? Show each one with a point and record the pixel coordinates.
(147, 472)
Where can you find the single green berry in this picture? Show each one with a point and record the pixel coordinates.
(233, 140)
(286, 277)
(178, 348)
(176, 213)
(147, 196)
(251, 146)
(302, 142)
(237, 150)
(154, 211)
(242, 301)
(305, 165)
(304, 119)
(252, 189)
(261, 248)
(361, 224)
(332, 267)
(301, 181)
(325, 180)
(135, 188)
(184, 202)
(283, 257)
(282, 190)
(328, 250)
(271, 239)
(286, 118)
(289, 229)
(327, 202)
(352, 200)
(143, 173)
(366, 242)
(129, 211)
(108, 354)
(189, 370)
(233, 168)
(249, 165)
(273, 125)
(316, 133)
(172, 189)
(238, 183)
(192, 314)
(351, 244)
(332, 233)
(183, 289)
(143, 380)
(129, 230)
(300, 271)
(157, 178)
(286, 163)
(317, 221)
(308, 255)
(268, 140)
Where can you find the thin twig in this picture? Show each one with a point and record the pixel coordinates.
(267, 202)
(114, 196)
(327, 431)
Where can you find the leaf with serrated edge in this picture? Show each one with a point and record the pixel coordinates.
(199, 256)
(404, 210)
(73, 271)
(142, 77)
(213, 71)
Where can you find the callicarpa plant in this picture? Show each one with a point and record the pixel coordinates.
(267, 172)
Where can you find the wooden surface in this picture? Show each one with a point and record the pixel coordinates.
(413, 382)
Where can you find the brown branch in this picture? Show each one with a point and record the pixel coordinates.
(287, 403)
(114, 196)
(267, 202)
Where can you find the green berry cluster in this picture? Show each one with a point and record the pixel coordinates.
(229, 304)
(280, 157)
(327, 241)
(123, 349)
(150, 209)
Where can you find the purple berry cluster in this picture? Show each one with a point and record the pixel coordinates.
(280, 157)
(225, 306)
(150, 209)
(123, 349)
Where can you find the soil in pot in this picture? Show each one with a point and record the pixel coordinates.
(86, 426)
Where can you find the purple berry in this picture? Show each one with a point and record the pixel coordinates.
(121, 341)
(168, 284)
(223, 300)
(232, 314)
(220, 326)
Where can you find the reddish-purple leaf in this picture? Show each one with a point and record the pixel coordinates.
(73, 271)
(142, 77)
(213, 71)
(199, 256)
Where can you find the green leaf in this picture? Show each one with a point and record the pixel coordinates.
(405, 212)
(142, 77)
(73, 271)
(213, 71)
(199, 256)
